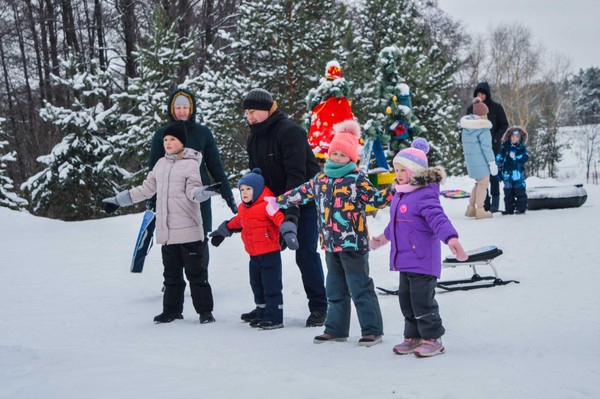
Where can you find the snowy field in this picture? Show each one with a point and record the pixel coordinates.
(75, 323)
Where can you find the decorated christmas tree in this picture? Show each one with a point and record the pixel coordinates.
(328, 104)
(394, 94)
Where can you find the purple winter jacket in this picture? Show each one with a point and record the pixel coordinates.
(417, 225)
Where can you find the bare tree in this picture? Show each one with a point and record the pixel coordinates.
(589, 140)
(514, 68)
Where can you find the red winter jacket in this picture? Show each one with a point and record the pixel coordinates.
(260, 232)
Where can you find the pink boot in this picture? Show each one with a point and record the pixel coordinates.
(429, 347)
(408, 346)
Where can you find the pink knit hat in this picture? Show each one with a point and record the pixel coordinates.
(345, 139)
(414, 159)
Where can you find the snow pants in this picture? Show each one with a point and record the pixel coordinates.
(419, 307)
(188, 257)
(515, 198)
(348, 278)
(265, 280)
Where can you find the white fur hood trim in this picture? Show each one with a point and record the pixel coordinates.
(468, 122)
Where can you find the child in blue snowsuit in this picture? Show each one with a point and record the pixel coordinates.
(511, 160)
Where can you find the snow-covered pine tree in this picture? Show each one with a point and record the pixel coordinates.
(585, 91)
(384, 23)
(8, 197)
(278, 45)
(143, 106)
(78, 172)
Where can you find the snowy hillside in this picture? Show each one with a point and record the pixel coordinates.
(76, 324)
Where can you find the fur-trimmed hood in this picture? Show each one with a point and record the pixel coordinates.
(506, 135)
(435, 174)
(471, 122)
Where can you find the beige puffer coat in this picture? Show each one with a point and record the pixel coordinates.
(174, 179)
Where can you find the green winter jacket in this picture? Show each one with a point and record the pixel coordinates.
(199, 138)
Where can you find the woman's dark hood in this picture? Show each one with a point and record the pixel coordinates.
(190, 97)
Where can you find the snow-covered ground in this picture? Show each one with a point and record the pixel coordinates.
(75, 323)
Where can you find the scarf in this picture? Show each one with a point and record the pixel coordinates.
(335, 170)
(405, 188)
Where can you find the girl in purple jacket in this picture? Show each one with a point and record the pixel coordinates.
(417, 225)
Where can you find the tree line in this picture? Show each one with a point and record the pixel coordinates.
(85, 82)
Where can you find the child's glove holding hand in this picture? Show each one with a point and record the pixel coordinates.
(220, 234)
(205, 192)
(493, 168)
(457, 249)
(272, 206)
(378, 242)
(289, 233)
(111, 204)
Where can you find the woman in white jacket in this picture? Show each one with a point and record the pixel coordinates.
(175, 179)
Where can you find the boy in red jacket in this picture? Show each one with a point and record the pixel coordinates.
(260, 234)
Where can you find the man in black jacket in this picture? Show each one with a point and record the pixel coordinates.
(182, 107)
(279, 147)
(497, 116)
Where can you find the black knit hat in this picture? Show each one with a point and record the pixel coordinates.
(258, 99)
(255, 180)
(178, 130)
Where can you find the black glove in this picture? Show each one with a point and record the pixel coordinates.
(111, 204)
(232, 205)
(151, 204)
(291, 217)
(289, 233)
(220, 234)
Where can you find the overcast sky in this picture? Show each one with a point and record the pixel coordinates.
(570, 28)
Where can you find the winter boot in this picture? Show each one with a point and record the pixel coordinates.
(369, 340)
(254, 323)
(430, 347)
(495, 204)
(167, 318)
(316, 319)
(247, 317)
(269, 325)
(483, 214)
(319, 339)
(408, 346)
(206, 317)
(470, 213)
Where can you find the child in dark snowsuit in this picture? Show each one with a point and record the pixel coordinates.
(511, 160)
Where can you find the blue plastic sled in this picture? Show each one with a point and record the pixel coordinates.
(143, 242)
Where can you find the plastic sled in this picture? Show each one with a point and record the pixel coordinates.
(483, 256)
(143, 242)
(455, 194)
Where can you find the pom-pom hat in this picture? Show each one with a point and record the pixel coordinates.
(345, 139)
(479, 107)
(414, 159)
(255, 180)
(178, 130)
